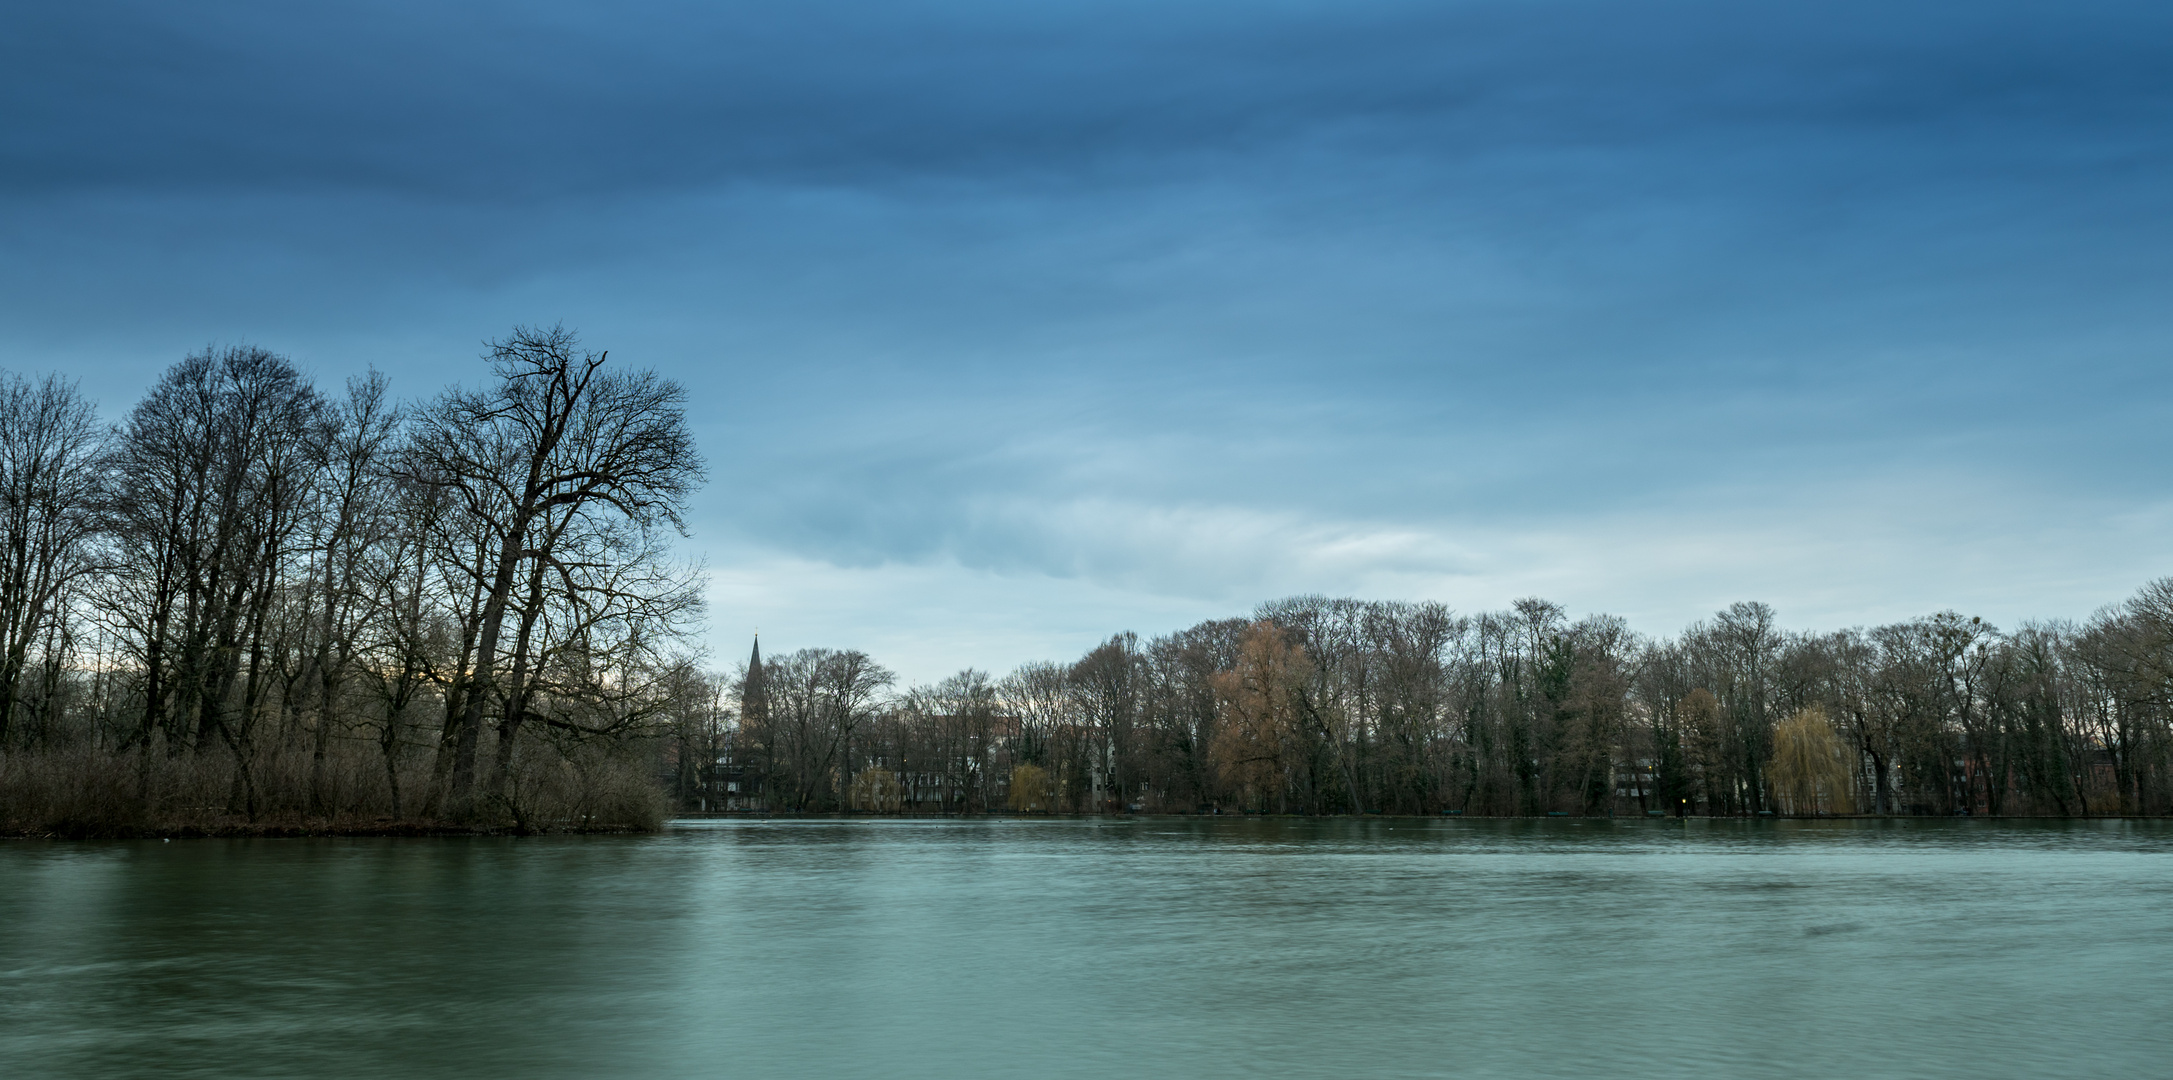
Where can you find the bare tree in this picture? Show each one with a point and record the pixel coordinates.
(557, 445)
(212, 473)
(49, 478)
(816, 701)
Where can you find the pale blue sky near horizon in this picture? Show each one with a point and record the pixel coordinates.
(1007, 327)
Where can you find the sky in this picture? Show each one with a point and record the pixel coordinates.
(1007, 327)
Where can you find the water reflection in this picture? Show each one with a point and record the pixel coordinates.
(1075, 948)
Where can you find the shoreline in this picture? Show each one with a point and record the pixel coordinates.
(307, 830)
(291, 830)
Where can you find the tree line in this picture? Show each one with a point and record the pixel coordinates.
(1316, 705)
(255, 599)
(252, 600)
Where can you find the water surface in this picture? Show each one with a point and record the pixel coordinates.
(1115, 948)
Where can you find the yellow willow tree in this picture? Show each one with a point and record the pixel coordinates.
(878, 789)
(1809, 770)
(1030, 789)
(1258, 706)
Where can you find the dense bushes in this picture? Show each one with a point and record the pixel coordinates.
(82, 791)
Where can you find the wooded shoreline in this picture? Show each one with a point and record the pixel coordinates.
(253, 606)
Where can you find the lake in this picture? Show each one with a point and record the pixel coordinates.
(1152, 948)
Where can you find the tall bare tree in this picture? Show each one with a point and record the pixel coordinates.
(49, 479)
(558, 444)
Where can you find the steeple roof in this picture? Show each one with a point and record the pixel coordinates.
(754, 698)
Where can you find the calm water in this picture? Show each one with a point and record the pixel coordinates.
(1149, 948)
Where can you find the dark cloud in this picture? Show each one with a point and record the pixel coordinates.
(1196, 299)
(537, 100)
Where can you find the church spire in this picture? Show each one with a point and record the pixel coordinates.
(754, 698)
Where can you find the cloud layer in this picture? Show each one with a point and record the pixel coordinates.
(1009, 326)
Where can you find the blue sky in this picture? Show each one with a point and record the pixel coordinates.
(1010, 326)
